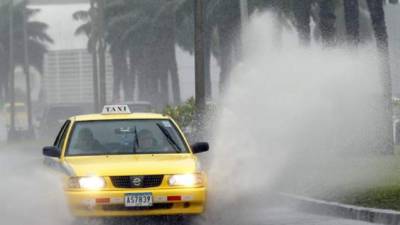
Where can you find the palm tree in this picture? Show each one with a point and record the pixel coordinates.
(351, 13)
(302, 15)
(36, 42)
(222, 17)
(90, 29)
(377, 14)
(327, 20)
(139, 34)
(147, 31)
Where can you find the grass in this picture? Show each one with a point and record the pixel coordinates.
(384, 195)
(369, 181)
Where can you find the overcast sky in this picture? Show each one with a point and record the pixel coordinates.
(61, 25)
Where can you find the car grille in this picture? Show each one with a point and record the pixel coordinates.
(146, 181)
(124, 208)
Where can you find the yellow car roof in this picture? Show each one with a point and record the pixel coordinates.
(90, 117)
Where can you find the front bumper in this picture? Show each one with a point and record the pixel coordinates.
(111, 203)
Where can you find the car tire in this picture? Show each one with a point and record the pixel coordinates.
(181, 220)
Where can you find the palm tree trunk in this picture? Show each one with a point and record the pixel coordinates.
(6, 72)
(27, 76)
(327, 21)
(142, 70)
(93, 51)
(153, 76)
(95, 81)
(302, 13)
(102, 74)
(117, 76)
(207, 60)
(164, 87)
(102, 55)
(171, 58)
(176, 89)
(377, 14)
(277, 6)
(3, 77)
(351, 14)
(226, 54)
(228, 26)
(120, 75)
(132, 72)
(11, 132)
(200, 97)
(126, 78)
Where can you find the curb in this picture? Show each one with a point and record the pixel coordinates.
(381, 216)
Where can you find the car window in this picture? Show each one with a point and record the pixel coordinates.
(125, 137)
(61, 135)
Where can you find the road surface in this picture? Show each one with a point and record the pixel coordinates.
(31, 194)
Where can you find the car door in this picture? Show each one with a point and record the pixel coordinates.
(53, 162)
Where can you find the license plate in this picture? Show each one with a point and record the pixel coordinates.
(138, 200)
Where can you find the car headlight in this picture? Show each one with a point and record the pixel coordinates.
(187, 180)
(89, 183)
(92, 183)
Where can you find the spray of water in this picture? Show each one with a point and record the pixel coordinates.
(30, 193)
(290, 117)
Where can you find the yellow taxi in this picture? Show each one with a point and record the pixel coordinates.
(119, 163)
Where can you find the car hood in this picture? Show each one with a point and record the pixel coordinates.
(124, 165)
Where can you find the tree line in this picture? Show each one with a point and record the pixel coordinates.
(37, 42)
(141, 35)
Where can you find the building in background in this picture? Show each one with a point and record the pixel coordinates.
(68, 77)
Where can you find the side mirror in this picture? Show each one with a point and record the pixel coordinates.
(200, 147)
(51, 151)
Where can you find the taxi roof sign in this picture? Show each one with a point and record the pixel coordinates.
(116, 109)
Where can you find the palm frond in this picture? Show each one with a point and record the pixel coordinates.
(37, 30)
(123, 19)
(81, 15)
(84, 29)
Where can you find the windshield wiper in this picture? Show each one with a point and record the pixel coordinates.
(135, 141)
(170, 140)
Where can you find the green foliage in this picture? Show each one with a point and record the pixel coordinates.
(396, 101)
(136, 22)
(386, 197)
(182, 114)
(36, 31)
(377, 188)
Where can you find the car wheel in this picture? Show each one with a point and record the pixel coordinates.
(182, 220)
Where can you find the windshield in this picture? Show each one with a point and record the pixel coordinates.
(125, 137)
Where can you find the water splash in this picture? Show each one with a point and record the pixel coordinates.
(30, 192)
(289, 110)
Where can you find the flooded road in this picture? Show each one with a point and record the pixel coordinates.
(32, 194)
